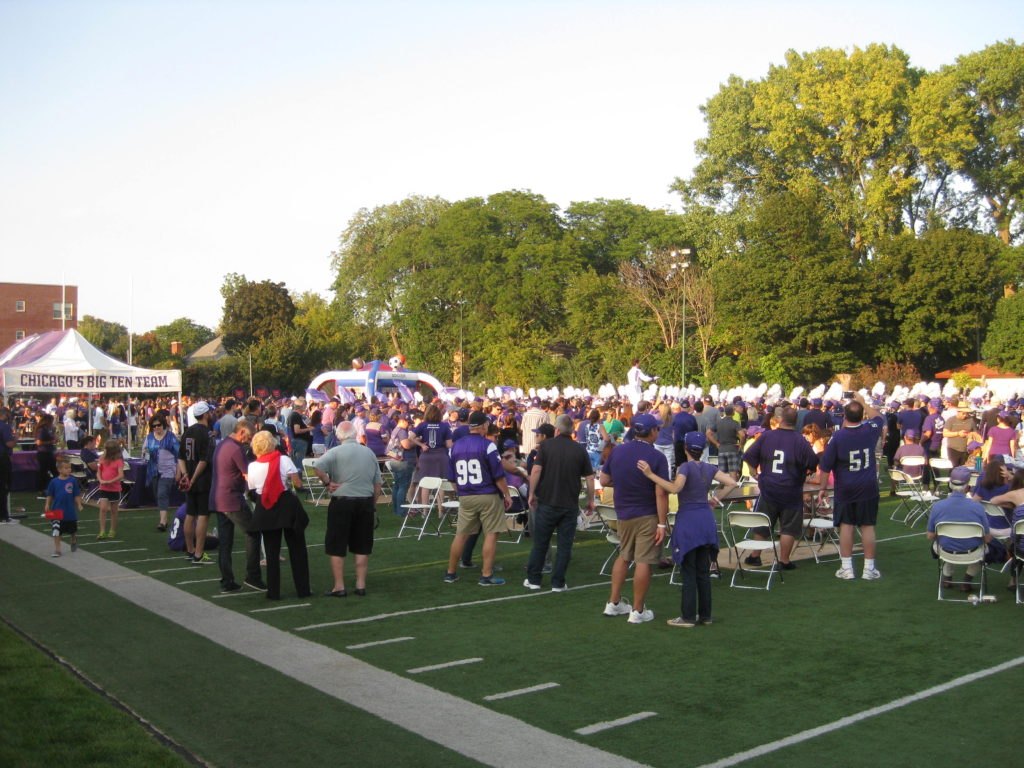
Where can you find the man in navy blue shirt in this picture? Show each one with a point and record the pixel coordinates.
(781, 460)
(957, 508)
(850, 456)
(641, 507)
(682, 422)
(474, 465)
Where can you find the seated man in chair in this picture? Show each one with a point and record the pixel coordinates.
(957, 508)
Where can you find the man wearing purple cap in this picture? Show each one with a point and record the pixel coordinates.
(815, 415)
(850, 456)
(957, 508)
(910, 417)
(641, 507)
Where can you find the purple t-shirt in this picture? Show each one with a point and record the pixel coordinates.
(474, 465)
(850, 455)
(634, 493)
(698, 482)
(933, 423)
(783, 459)
(434, 434)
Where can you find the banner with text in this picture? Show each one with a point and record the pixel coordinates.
(22, 380)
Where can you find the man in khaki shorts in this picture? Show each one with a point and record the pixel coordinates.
(642, 510)
(474, 465)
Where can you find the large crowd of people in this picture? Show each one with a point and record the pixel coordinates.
(550, 456)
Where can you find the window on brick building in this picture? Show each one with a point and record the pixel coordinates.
(56, 311)
(19, 306)
(19, 335)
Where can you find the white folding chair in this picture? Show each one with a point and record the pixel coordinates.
(430, 487)
(748, 521)
(514, 529)
(611, 522)
(915, 501)
(965, 530)
(1018, 555)
(940, 472)
(819, 528)
(312, 482)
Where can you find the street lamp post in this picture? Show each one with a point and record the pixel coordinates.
(684, 255)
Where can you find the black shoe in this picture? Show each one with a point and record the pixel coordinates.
(752, 560)
(232, 587)
(161, 527)
(361, 591)
(787, 566)
(335, 593)
(256, 584)
(715, 573)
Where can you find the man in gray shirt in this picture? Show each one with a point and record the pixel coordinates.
(352, 475)
(727, 434)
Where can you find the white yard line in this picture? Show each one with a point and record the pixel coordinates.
(607, 724)
(520, 691)
(236, 593)
(197, 581)
(152, 559)
(169, 570)
(382, 616)
(280, 608)
(389, 641)
(835, 725)
(435, 667)
(116, 551)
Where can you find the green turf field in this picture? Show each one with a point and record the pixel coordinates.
(811, 651)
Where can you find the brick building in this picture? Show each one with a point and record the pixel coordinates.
(27, 308)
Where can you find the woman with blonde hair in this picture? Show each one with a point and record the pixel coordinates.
(278, 511)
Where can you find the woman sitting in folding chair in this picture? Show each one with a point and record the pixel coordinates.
(1014, 498)
(695, 534)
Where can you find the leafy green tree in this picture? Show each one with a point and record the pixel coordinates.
(792, 289)
(967, 117)
(253, 311)
(941, 290)
(376, 256)
(110, 337)
(191, 334)
(829, 124)
(1004, 342)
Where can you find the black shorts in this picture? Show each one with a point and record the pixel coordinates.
(57, 527)
(790, 520)
(197, 504)
(110, 495)
(856, 513)
(349, 526)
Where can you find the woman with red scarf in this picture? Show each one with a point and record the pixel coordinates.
(278, 511)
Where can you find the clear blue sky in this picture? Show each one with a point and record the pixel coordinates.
(173, 142)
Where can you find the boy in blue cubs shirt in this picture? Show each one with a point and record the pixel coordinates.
(63, 503)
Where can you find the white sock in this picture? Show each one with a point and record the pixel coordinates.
(869, 564)
(847, 563)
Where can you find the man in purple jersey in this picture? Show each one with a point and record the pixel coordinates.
(641, 507)
(781, 460)
(909, 417)
(850, 456)
(474, 465)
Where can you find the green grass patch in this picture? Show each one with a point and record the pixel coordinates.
(812, 650)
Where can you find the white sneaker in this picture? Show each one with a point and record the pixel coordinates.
(563, 588)
(846, 573)
(638, 617)
(530, 585)
(871, 575)
(620, 608)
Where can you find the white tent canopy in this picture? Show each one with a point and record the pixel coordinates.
(63, 361)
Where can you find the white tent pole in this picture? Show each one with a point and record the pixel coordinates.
(131, 301)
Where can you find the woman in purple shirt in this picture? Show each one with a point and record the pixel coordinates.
(1001, 439)
(695, 534)
(434, 438)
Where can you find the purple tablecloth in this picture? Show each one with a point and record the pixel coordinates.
(24, 467)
